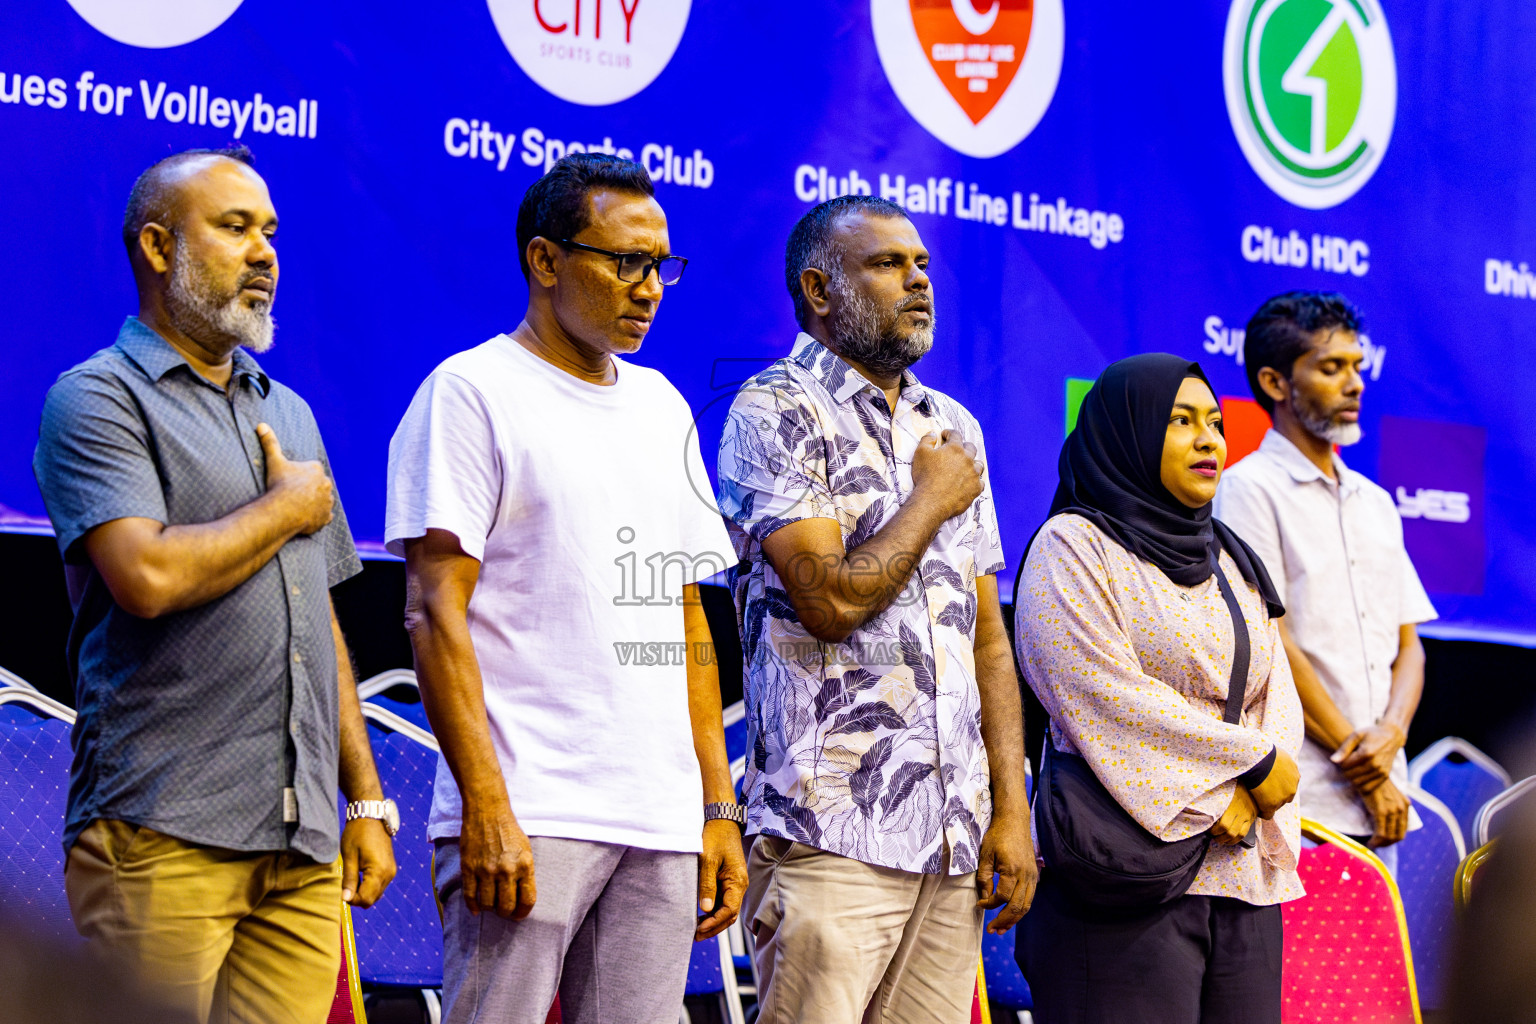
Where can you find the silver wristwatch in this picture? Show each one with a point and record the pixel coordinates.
(729, 812)
(383, 810)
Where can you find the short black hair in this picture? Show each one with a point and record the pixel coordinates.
(1281, 332)
(811, 246)
(555, 206)
(148, 200)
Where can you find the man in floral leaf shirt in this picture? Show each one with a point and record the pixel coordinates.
(885, 782)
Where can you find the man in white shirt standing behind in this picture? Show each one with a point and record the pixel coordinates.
(1333, 543)
(583, 796)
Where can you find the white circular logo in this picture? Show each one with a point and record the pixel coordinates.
(155, 24)
(978, 74)
(593, 52)
(1311, 90)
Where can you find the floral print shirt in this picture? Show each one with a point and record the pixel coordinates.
(870, 748)
(1133, 669)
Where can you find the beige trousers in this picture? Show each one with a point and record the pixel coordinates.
(839, 941)
(220, 934)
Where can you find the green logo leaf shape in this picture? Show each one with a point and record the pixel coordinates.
(1337, 69)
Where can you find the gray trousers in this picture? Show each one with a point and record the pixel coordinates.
(610, 932)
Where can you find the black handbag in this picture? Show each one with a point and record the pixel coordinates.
(1092, 846)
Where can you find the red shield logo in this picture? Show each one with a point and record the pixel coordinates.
(976, 46)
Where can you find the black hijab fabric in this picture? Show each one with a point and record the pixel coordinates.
(1111, 475)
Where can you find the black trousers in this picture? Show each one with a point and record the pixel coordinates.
(1197, 960)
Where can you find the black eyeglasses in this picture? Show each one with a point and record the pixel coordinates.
(635, 267)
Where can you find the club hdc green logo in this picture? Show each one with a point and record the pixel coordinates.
(1312, 93)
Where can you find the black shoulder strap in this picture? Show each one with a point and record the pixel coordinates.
(1237, 685)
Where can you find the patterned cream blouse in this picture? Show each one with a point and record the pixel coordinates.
(1133, 669)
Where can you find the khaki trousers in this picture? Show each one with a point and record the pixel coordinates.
(220, 934)
(839, 941)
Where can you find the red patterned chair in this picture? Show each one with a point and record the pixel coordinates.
(1347, 958)
(347, 1007)
(981, 1011)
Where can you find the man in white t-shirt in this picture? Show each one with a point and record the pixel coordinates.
(1333, 543)
(554, 514)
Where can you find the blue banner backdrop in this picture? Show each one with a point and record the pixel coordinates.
(1093, 180)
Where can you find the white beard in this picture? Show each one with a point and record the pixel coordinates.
(199, 310)
(1318, 425)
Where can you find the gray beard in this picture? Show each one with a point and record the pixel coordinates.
(867, 334)
(200, 311)
(1320, 425)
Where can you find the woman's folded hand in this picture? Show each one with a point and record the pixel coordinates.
(1237, 819)
(1278, 787)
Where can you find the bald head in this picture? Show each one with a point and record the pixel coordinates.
(199, 231)
(154, 196)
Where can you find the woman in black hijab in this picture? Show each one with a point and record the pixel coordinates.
(1135, 614)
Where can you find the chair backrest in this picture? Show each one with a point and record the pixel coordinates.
(1461, 776)
(981, 1001)
(347, 1005)
(9, 679)
(735, 718)
(1347, 954)
(1005, 982)
(35, 703)
(400, 938)
(34, 786)
(1484, 824)
(412, 711)
(1468, 870)
(375, 685)
(1426, 875)
(711, 971)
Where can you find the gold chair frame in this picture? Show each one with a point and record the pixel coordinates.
(1467, 868)
(1319, 833)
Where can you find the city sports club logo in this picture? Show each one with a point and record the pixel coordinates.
(978, 77)
(155, 24)
(593, 52)
(1312, 93)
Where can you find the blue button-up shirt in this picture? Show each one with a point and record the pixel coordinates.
(196, 722)
(870, 748)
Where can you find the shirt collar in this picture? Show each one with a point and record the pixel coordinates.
(841, 379)
(157, 357)
(1302, 469)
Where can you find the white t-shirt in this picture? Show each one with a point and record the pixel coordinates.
(588, 507)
